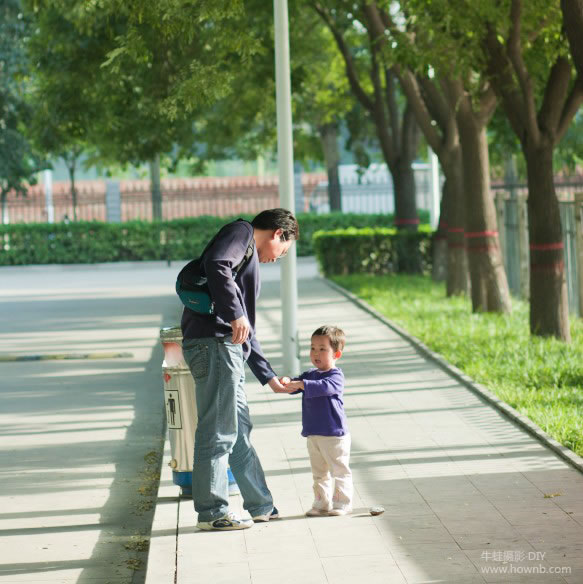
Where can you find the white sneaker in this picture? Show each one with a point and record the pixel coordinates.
(314, 512)
(227, 523)
(274, 514)
(340, 511)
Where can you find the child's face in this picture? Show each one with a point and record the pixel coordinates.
(321, 353)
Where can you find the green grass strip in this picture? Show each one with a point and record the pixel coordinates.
(542, 378)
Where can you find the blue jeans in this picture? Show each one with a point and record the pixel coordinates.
(222, 434)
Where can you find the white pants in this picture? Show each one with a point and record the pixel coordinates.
(329, 455)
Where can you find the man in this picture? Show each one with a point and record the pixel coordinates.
(216, 348)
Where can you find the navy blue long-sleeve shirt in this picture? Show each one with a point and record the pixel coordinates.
(322, 405)
(233, 297)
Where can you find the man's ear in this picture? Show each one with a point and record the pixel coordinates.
(277, 233)
(338, 354)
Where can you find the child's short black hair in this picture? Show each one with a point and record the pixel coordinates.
(274, 219)
(335, 335)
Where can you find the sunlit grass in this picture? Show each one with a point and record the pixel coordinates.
(540, 377)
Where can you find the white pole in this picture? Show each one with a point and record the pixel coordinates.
(285, 162)
(48, 182)
(435, 191)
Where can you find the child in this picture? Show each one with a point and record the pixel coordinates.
(324, 423)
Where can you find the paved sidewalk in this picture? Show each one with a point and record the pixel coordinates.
(467, 492)
(79, 438)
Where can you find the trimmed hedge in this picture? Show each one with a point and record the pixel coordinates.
(376, 250)
(180, 239)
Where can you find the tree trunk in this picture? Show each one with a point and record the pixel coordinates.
(404, 189)
(458, 282)
(573, 25)
(399, 163)
(404, 176)
(156, 190)
(5, 218)
(72, 168)
(549, 313)
(406, 220)
(439, 267)
(489, 286)
(329, 139)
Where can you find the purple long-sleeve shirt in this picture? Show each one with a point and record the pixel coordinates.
(322, 406)
(233, 297)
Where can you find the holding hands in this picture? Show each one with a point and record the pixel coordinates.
(285, 385)
(293, 385)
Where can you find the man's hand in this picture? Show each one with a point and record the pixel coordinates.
(295, 385)
(241, 328)
(277, 387)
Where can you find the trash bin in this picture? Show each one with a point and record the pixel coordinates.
(180, 408)
(181, 415)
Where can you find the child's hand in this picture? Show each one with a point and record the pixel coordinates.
(284, 380)
(295, 385)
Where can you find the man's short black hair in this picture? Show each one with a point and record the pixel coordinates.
(272, 219)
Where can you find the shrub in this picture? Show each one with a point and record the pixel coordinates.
(373, 250)
(179, 239)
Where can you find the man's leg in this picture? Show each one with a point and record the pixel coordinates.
(245, 464)
(216, 367)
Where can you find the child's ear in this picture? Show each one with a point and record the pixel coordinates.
(338, 354)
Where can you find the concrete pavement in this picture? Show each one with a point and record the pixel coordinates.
(469, 495)
(80, 440)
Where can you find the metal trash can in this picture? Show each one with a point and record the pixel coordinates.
(180, 402)
(181, 414)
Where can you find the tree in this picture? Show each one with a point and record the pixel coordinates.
(436, 116)
(448, 96)
(18, 162)
(375, 86)
(321, 94)
(141, 70)
(242, 123)
(526, 59)
(448, 39)
(61, 115)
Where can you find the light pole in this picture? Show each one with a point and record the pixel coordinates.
(48, 182)
(435, 191)
(285, 163)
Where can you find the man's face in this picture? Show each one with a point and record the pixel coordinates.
(273, 248)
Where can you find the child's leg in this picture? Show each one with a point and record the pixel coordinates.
(321, 474)
(336, 451)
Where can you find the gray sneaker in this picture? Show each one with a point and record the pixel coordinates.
(227, 523)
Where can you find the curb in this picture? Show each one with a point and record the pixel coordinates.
(566, 454)
(163, 549)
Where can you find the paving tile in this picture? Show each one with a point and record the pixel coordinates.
(414, 530)
(423, 566)
(295, 576)
(235, 573)
(455, 477)
(350, 541)
(373, 569)
(284, 561)
(505, 540)
(267, 541)
(478, 525)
